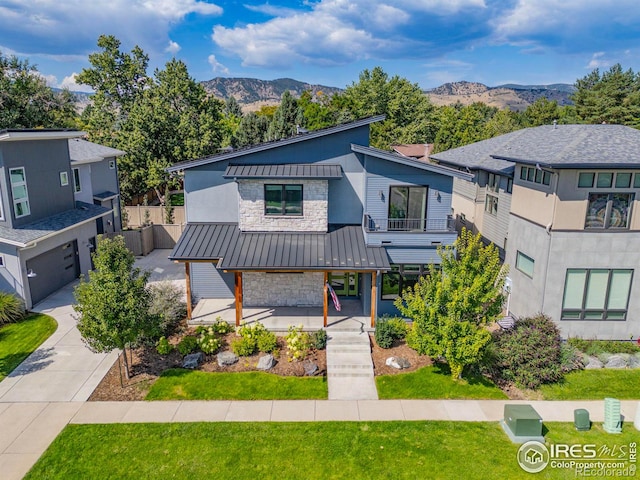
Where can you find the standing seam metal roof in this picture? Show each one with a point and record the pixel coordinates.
(342, 248)
(291, 170)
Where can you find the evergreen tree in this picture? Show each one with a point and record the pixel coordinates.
(286, 119)
(251, 131)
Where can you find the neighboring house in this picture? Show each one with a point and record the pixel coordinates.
(47, 229)
(563, 203)
(271, 224)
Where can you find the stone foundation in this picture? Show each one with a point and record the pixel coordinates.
(261, 289)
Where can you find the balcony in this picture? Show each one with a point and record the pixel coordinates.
(408, 232)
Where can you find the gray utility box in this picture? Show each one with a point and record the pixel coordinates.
(523, 420)
(581, 419)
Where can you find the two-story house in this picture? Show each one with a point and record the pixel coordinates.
(47, 226)
(562, 200)
(273, 224)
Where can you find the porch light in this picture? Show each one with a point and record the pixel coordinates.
(31, 273)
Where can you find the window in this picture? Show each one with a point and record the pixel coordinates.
(524, 264)
(112, 164)
(509, 185)
(605, 180)
(77, 187)
(596, 294)
(623, 180)
(493, 184)
(491, 204)
(636, 180)
(608, 210)
(395, 281)
(535, 175)
(407, 208)
(283, 200)
(64, 179)
(19, 192)
(585, 179)
(2, 265)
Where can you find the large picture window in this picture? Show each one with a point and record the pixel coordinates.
(19, 192)
(396, 281)
(608, 210)
(283, 200)
(596, 294)
(407, 208)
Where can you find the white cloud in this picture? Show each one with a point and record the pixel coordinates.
(70, 83)
(598, 60)
(173, 47)
(216, 66)
(51, 80)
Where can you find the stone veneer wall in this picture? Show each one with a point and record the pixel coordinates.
(261, 289)
(315, 195)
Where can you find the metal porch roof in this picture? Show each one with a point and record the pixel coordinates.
(309, 170)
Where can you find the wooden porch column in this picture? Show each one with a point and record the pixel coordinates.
(238, 278)
(325, 300)
(187, 274)
(374, 297)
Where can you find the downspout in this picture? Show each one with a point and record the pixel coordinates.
(548, 229)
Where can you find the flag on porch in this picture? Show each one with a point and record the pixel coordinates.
(334, 297)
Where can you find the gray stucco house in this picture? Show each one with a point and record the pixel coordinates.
(57, 192)
(273, 224)
(562, 202)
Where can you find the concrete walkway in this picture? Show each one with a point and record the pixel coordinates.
(349, 366)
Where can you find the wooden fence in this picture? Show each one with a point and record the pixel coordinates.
(142, 241)
(135, 215)
(166, 236)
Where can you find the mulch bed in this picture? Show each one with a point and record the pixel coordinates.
(398, 349)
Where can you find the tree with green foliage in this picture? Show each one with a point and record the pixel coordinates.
(113, 306)
(27, 102)
(286, 118)
(610, 97)
(251, 131)
(451, 306)
(316, 113)
(462, 124)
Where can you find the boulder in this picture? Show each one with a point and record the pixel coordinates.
(634, 361)
(398, 362)
(310, 368)
(616, 361)
(193, 360)
(227, 358)
(593, 364)
(266, 362)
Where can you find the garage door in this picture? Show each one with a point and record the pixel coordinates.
(54, 269)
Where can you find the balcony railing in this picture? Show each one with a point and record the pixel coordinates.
(408, 224)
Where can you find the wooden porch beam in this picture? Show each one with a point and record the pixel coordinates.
(374, 297)
(238, 295)
(325, 299)
(187, 274)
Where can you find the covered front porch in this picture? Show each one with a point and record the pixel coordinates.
(277, 319)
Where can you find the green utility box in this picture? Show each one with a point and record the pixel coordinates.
(581, 420)
(523, 420)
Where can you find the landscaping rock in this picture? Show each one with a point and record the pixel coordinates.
(266, 362)
(310, 368)
(193, 360)
(593, 364)
(398, 362)
(616, 361)
(227, 358)
(634, 361)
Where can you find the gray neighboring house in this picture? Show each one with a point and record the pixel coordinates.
(270, 225)
(57, 193)
(563, 204)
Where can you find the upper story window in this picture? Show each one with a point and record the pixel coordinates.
(493, 183)
(19, 192)
(535, 175)
(77, 186)
(608, 210)
(596, 294)
(509, 185)
(283, 200)
(607, 180)
(525, 264)
(407, 208)
(491, 204)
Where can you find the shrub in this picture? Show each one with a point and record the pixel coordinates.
(267, 342)
(167, 303)
(570, 358)
(530, 353)
(298, 343)
(243, 346)
(163, 347)
(207, 339)
(319, 339)
(187, 345)
(11, 308)
(597, 347)
(221, 327)
(390, 329)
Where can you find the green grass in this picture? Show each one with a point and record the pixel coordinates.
(180, 384)
(436, 382)
(595, 385)
(312, 450)
(19, 340)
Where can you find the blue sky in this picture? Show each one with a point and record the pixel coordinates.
(329, 42)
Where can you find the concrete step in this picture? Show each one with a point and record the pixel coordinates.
(350, 375)
(347, 349)
(350, 368)
(350, 358)
(352, 388)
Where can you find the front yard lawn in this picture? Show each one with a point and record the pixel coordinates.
(435, 382)
(595, 385)
(180, 384)
(313, 450)
(18, 340)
